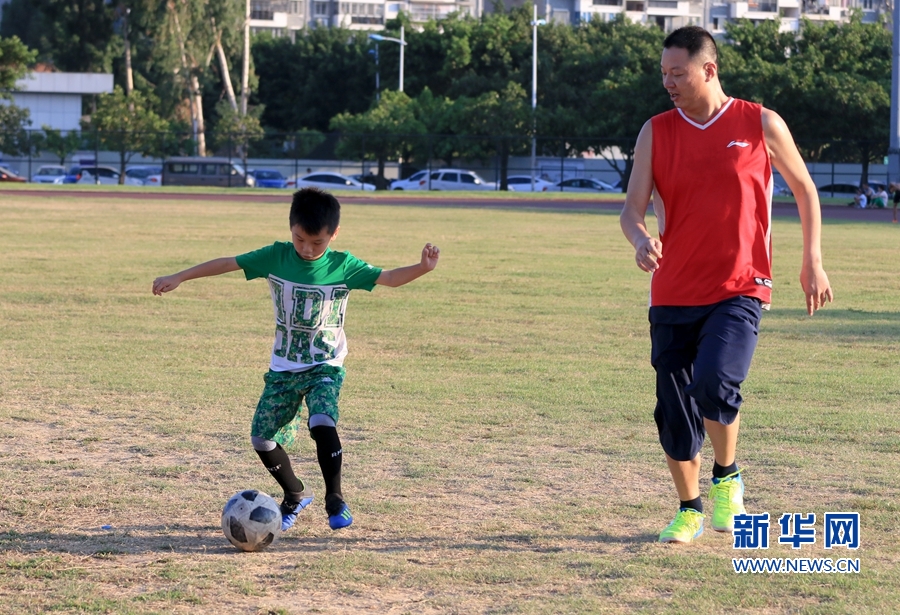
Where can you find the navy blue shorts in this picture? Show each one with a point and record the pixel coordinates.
(701, 356)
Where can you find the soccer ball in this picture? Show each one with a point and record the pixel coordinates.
(251, 520)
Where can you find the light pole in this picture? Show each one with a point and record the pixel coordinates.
(534, 26)
(402, 42)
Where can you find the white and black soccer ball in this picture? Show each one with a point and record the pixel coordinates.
(251, 520)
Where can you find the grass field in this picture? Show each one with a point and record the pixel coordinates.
(500, 452)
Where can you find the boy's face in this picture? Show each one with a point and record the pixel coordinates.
(310, 247)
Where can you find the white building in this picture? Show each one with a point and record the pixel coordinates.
(286, 17)
(54, 99)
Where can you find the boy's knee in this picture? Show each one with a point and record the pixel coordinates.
(718, 398)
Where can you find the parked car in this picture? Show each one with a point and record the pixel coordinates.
(779, 190)
(269, 178)
(456, 179)
(522, 183)
(416, 181)
(370, 178)
(147, 175)
(49, 174)
(328, 181)
(584, 184)
(838, 190)
(6, 175)
(205, 171)
(91, 174)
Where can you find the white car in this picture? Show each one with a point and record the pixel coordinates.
(416, 181)
(106, 175)
(522, 183)
(328, 181)
(584, 184)
(456, 179)
(49, 174)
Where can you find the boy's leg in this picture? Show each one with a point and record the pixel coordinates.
(277, 408)
(725, 350)
(322, 401)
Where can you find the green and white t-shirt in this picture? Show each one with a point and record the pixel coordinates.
(310, 298)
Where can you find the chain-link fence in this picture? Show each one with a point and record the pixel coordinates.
(380, 159)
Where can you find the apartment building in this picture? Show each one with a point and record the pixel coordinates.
(287, 17)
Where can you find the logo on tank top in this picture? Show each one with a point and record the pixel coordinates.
(738, 143)
(763, 282)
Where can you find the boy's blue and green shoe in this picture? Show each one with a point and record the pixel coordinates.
(685, 527)
(338, 514)
(290, 510)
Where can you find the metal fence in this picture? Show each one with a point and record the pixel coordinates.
(394, 156)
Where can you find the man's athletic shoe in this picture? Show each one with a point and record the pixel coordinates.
(290, 510)
(339, 515)
(685, 527)
(727, 496)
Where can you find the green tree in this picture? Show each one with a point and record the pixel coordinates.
(125, 124)
(831, 84)
(14, 59)
(325, 73)
(235, 131)
(382, 133)
(60, 143)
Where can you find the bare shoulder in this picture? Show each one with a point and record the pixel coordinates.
(773, 124)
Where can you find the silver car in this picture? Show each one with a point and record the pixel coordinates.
(49, 174)
(456, 179)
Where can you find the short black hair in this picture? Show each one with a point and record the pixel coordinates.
(315, 210)
(694, 40)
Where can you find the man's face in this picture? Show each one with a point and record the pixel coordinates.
(310, 247)
(684, 78)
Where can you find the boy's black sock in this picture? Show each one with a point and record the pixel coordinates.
(723, 471)
(329, 453)
(278, 464)
(696, 504)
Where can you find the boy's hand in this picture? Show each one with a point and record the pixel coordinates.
(430, 255)
(165, 284)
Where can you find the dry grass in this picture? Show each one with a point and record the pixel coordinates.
(500, 452)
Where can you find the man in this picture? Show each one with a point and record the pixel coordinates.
(707, 164)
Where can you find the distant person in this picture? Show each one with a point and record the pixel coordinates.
(310, 284)
(711, 265)
(860, 200)
(895, 188)
(880, 198)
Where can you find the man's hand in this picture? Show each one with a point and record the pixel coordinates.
(816, 287)
(647, 252)
(430, 255)
(165, 284)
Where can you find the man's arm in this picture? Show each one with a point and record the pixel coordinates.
(640, 187)
(784, 155)
(405, 275)
(214, 267)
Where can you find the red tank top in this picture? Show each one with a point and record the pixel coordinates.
(713, 198)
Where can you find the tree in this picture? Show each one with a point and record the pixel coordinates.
(381, 133)
(236, 130)
(60, 143)
(14, 59)
(831, 84)
(125, 125)
(304, 84)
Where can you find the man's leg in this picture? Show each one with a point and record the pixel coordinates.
(680, 426)
(725, 350)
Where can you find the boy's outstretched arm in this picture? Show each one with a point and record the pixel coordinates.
(216, 266)
(405, 275)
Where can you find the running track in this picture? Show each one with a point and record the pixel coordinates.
(831, 212)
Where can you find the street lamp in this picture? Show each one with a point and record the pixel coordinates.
(402, 42)
(534, 26)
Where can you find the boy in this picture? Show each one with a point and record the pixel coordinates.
(310, 284)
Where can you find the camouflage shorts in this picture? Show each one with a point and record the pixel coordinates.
(277, 415)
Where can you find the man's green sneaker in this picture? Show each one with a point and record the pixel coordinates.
(685, 527)
(727, 496)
